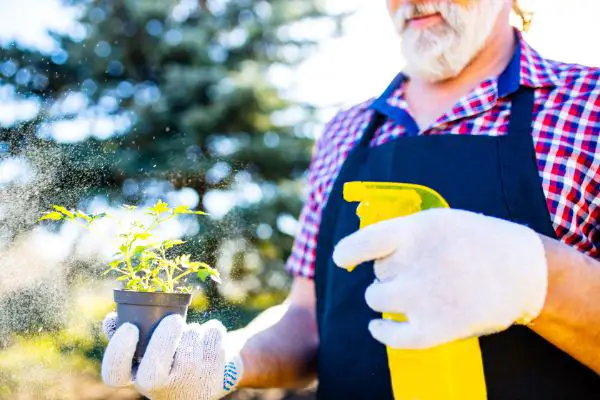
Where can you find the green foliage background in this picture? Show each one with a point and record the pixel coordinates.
(185, 88)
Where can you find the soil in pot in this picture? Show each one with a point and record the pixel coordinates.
(145, 310)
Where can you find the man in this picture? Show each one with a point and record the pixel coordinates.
(510, 140)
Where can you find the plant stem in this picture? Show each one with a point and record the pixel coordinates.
(178, 277)
(168, 272)
(158, 221)
(89, 227)
(127, 257)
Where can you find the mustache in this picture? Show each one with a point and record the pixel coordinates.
(411, 10)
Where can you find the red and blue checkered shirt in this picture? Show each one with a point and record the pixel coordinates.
(566, 130)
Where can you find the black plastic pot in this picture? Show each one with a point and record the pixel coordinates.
(146, 310)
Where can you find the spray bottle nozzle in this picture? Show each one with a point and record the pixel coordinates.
(380, 201)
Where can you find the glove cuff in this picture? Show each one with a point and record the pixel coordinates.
(234, 368)
(536, 277)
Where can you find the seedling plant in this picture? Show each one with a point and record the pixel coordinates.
(141, 262)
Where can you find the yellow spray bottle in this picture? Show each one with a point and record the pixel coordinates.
(451, 371)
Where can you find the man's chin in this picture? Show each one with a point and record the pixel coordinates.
(433, 69)
(434, 59)
(430, 74)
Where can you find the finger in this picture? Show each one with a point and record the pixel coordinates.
(213, 354)
(109, 324)
(200, 353)
(213, 357)
(401, 335)
(395, 296)
(155, 366)
(371, 243)
(187, 357)
(118, 356)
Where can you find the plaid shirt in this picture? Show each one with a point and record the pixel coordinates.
(566, 130)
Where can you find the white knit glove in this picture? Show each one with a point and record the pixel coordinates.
(183, 362)
(454, 274)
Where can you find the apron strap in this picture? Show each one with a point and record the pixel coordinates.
(377, 119)
(521, 113)
(514, 149)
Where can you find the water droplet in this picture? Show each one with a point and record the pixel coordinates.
(103, 49)
(115, 68)
(271, 139)
(97, 15)
(264, 231)
(8, 68)
(89, 87)
(173, 37)
(23, 76)
(125, 89)
(59, 57)
(154, 27)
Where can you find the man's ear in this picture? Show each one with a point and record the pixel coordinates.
(523, 14)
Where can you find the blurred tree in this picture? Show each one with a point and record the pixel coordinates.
(152, 99)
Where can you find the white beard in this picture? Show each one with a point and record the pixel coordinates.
(442, 51)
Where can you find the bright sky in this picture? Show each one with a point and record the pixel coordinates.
(360, 64)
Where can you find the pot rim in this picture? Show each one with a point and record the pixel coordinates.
(151, 298)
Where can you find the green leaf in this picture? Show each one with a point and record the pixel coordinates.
(98, 216)
(154, 245)
(159, 208)
(64, 211)
(142, 236)
(52, 215)
(184, 289)
(211, 273)
(161, 284)
(83, 215)
(123, 278)
(182, 210)
(115, 263)
(138, 250)
(171, 243)
(134, 283)
(192, 265)
(128, 207)
(203, 274)
(150, 255)
(199, 213)
(186, 210)
(216, 278)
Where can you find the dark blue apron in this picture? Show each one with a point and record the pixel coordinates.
(496, 176)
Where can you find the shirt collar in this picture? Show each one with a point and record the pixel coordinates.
(526, 68)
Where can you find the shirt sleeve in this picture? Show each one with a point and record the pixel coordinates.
(302, 259)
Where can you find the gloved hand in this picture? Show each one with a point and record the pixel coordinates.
(183, 362)
(454, 274)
